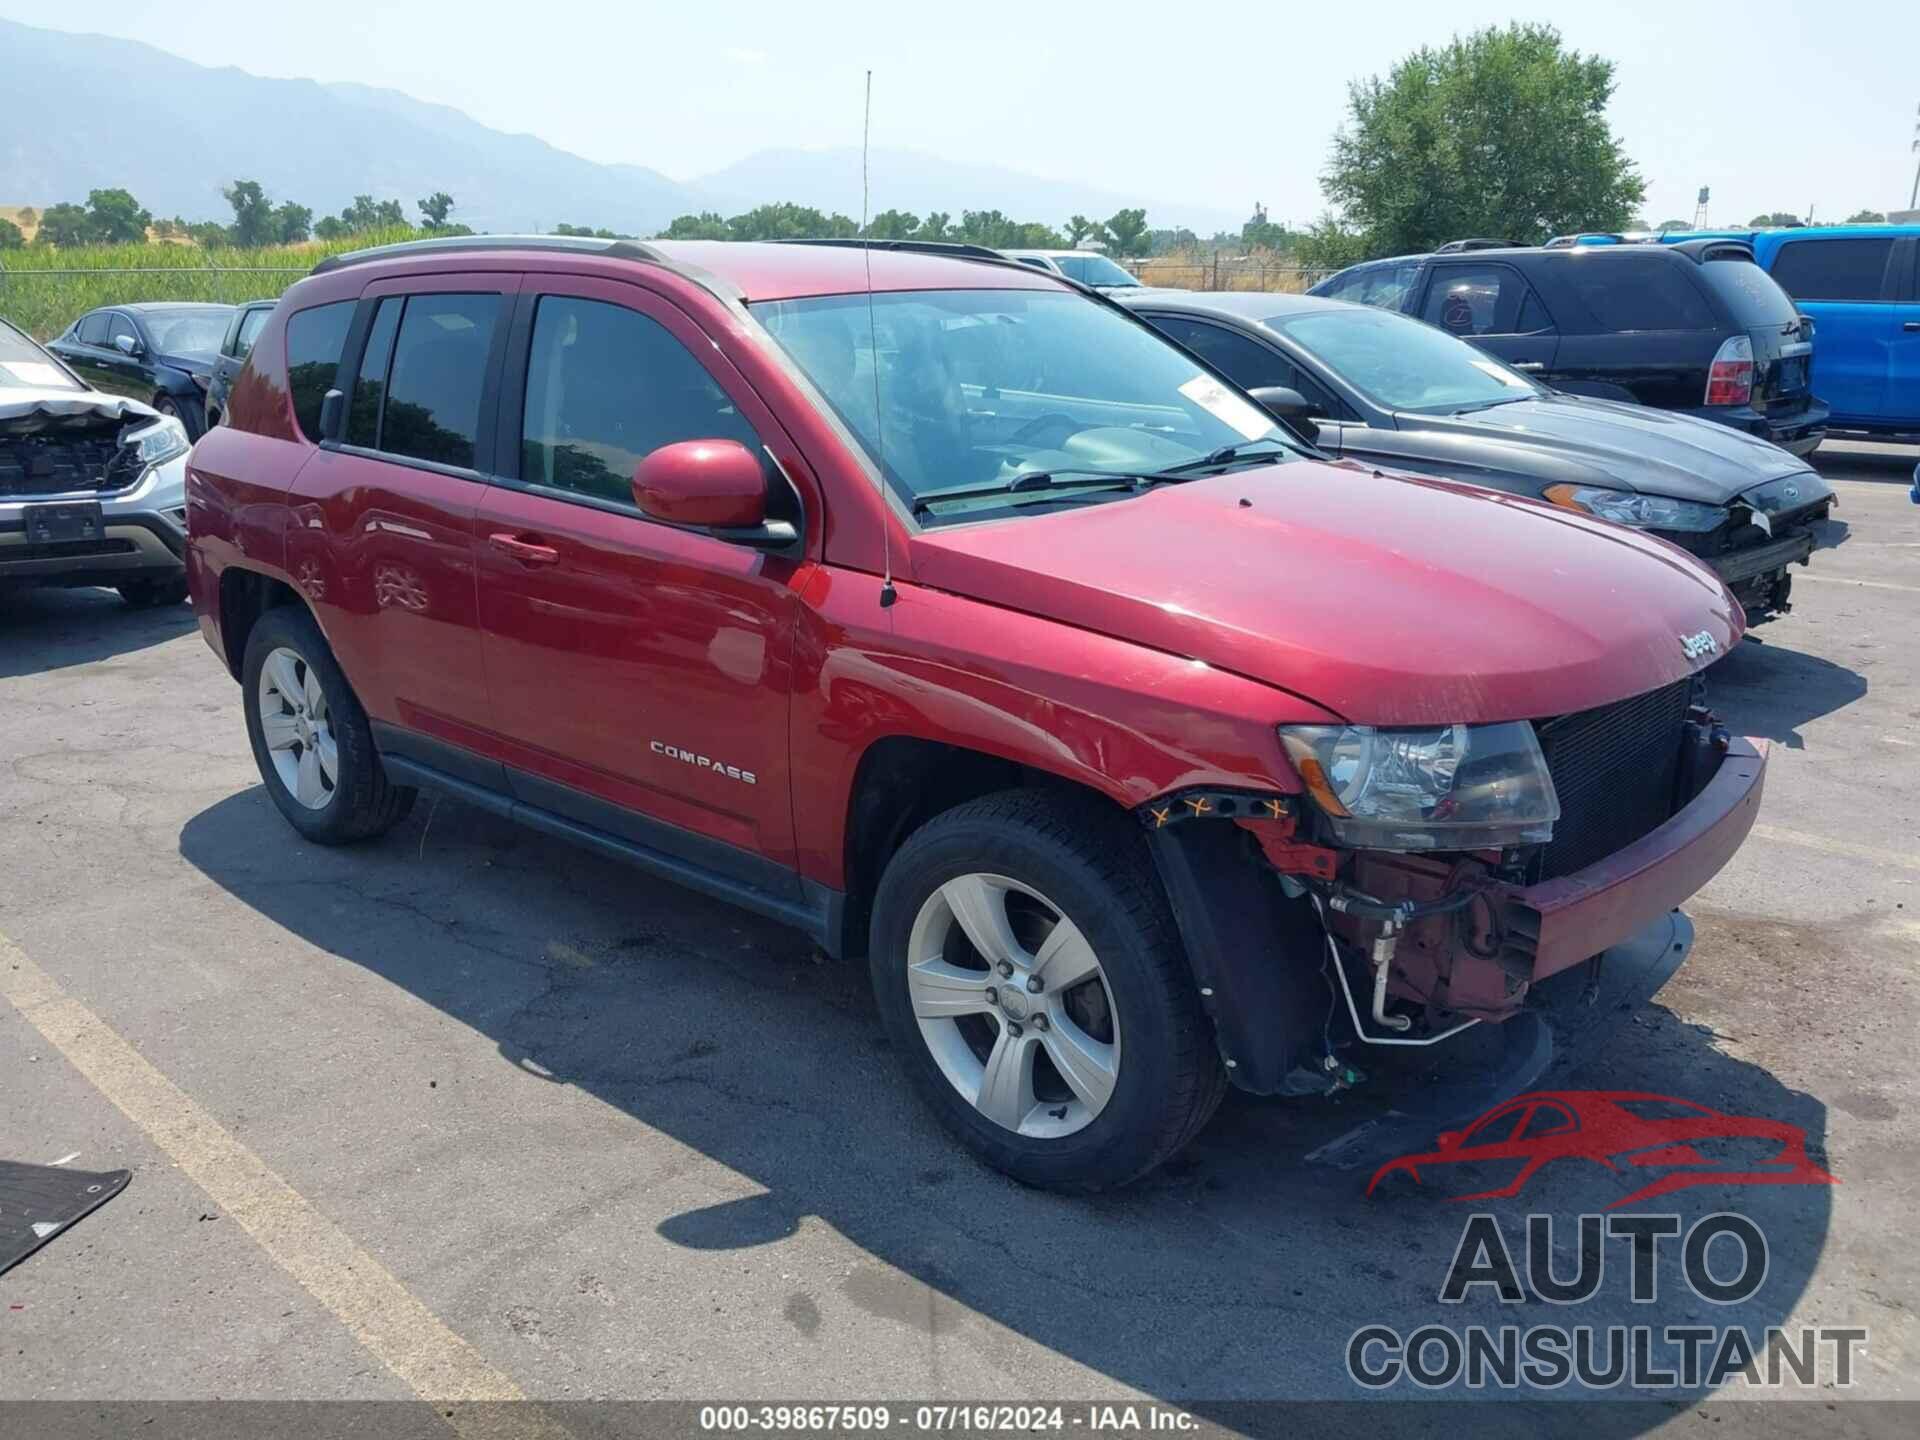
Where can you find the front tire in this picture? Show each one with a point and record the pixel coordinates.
(1030, 975)
(310, 737)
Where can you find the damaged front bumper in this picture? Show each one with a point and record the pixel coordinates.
(1272, 962)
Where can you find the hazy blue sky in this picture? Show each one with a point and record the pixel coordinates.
(1777, 105)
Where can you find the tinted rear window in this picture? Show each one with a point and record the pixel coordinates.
(433, 390)
(315, 339)
(1749, 294)
(1851, 269)
(1637, 292)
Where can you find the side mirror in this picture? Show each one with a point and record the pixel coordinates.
(1285, 403)
(712, 485)
(332, 404)
(127, 345)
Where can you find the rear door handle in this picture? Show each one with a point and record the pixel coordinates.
(1529, 365)
(1911, 325)
(528, 552)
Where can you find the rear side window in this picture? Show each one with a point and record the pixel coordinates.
(1638, 292)
(1350, 285)
(432, 409)
(315, 339)
(1749, 293)
(1386, 286)
(1851, 269)
(605, 387)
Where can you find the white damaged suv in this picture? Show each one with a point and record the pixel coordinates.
(92, 486)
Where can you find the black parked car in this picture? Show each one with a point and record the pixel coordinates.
(157, 352)
(1696, 327)
(247, 323)
(1387, 390)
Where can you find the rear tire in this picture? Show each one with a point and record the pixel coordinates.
(310, 737)
(1137, 1072)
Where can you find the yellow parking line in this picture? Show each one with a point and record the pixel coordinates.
(385, 1317)
(1870, 584)
(1873, 854)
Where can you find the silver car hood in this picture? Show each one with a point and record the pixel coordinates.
(25, 404)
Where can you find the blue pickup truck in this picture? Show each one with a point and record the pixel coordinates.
(1860, 284)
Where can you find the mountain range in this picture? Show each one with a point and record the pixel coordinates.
(181, 131)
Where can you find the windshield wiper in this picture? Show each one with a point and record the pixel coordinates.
(1033, 480)
(1225, 455)
(1490, 404)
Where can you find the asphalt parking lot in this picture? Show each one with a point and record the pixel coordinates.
(545, 1123)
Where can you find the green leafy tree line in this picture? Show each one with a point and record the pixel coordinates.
(1123, 234)
(114, 217)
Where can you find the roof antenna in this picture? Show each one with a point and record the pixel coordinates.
(887, 593)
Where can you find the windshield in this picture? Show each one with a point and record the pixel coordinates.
(25, 366)
(978, 388)
(1404, 364)
(179, 332)
(1093, 270)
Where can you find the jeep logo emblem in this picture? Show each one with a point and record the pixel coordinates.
(1699, 643)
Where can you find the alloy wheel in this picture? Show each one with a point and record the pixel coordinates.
(297, 728)
(1013, 1005)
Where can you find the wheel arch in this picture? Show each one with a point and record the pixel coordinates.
(246, 595)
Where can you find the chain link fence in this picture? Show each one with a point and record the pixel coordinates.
(1225, 272)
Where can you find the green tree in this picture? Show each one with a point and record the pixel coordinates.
(114, 217)
(435, 209)
(207, 234)
(1503, 132)
(1079, 230)
(11, 236)
(291, 223)
(893, 225)
(252, 214)
(937, 226)
(330, 227)
(787, 221)
(64, 225)
(707, 225)
(1774, 218)
(1329, 245)
(1126, 233)
(1866, 217)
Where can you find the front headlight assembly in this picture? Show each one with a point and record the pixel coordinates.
(1643, 512)
(1457, 787)
(159, 442)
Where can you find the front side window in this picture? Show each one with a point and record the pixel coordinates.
(606, 386)
(1247, 363)
(1851, 269)
(1482, 300)
(315, 339)
(119, 328)
(1400, 364)
(92, 329)
(251, 324)
(1386, 286)
(432, 409)
(991, 389)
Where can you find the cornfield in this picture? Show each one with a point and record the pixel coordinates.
(43, 290)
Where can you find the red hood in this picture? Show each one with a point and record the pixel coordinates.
(1389, 600)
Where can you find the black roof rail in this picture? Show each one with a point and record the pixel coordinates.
(482, 244)
(1716, 248)
(958, 249)
(1455, 247)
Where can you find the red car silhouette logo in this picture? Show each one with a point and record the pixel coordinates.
(1676, 1142)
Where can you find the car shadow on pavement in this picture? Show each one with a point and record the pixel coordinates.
(53, 629)
(1771, 690)
(1235, 1274)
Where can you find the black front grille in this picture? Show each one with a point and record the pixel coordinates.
(50, 465)
(1615, 769)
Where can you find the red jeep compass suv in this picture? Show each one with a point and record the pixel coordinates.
(939, 608)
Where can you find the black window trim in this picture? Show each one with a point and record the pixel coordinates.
(510, 418)
(349, 368)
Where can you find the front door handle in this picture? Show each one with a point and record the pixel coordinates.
(1911, 325)
(1529, 365)
(528, 552)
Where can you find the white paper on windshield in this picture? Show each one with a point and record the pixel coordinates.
(1502, 374)
(36, 372)
(1243, 415)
